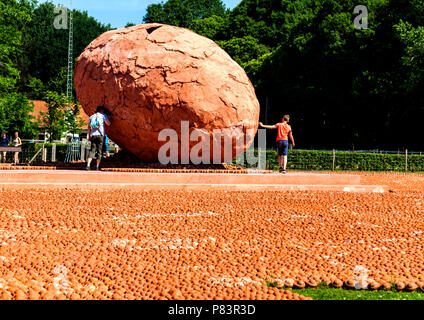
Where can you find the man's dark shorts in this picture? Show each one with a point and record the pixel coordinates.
(96, 147)
(283, 147)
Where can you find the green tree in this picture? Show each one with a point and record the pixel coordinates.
(413, 58)
(181, 13)
(14, 106)
(73, 122)
(156, 13)
(14, 15)
(212, 27)
(58, 82)
(327, 74)
(254, 68)
(243, 50)
(54, 120)
(343, 87)
(49, 46)
(15, 115)
(61, 117)
(35, 89)
(262, 20)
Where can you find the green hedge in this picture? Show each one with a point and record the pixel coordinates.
(297, 159)
(352, 161)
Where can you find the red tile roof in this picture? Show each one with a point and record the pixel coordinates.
(41, 106)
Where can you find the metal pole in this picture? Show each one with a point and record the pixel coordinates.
(69, 83)
(406, 159)
(334, 159)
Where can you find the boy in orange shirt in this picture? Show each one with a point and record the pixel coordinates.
(284, 132)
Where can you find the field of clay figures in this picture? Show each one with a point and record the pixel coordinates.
(66, 243)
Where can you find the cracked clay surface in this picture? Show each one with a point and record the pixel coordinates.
(152, 77)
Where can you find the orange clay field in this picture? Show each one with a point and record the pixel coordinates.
(62, 241)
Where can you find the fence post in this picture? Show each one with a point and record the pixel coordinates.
(44, 154)
(54, 152)
(334, 160)
(406, 159)
(83, 151)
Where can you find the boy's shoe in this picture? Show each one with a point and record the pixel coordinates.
(87, 168)
(281, 170)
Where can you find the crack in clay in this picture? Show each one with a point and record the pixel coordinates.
(155, 41)
(226, 104)
(235, 79)
(180, 51)
(179, 81)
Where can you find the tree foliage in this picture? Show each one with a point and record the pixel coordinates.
(33, 64)
(53, 121)
(73, 122)
(49, 46)
(413, 58)
(14, 106)
(243, 50)
(15, 115)
(212, 27)
(344, 87)
(14, 15)
(182, 12)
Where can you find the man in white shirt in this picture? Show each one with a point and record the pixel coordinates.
(96, 133)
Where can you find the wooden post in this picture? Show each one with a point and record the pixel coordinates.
(406, 159)
(54, 152)
(334, 159)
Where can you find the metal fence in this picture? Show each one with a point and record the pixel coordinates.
(341, 160)
(34, 151)
(49, 152)
(314, 160)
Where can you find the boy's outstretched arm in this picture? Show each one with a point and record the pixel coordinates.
(291, 138)
(265, 126)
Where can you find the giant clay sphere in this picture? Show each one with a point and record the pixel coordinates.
(152, 77)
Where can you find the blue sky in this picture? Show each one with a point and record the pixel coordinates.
(118, 12)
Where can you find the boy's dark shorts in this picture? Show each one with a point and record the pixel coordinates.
(283, 147)
(96, 147)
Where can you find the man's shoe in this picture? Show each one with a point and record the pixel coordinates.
(87, 168)
(97, 169)
(281, 170)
